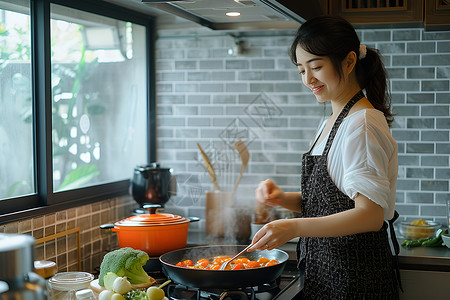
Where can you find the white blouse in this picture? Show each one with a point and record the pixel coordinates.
(363, 158)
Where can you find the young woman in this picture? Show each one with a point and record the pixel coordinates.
(348, 175)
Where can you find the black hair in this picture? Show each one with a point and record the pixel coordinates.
(334, 37)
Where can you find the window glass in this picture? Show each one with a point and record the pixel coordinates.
(16, 119)
(99, 98)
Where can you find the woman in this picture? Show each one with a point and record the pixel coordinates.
(348, 175)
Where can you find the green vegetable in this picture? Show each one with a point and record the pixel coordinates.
(117, 296)
(136, 295)
(125, 262)
(108, 280)
(434, 241)
(412, 243)
(157, 293)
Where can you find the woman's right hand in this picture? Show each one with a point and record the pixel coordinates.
(269, 193)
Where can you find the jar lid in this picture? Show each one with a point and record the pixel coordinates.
(162, 219)
(45, 268)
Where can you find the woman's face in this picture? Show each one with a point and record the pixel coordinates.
(319, 75)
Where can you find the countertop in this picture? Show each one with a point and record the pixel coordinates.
(418, 258)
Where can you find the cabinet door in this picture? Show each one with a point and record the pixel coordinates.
(437, 15)
(379, 11)
(424, 284)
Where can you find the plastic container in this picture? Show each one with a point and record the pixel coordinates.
(63, 286)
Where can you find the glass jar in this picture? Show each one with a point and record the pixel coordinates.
(63, 286)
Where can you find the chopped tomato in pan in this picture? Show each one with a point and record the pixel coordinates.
(237, 264)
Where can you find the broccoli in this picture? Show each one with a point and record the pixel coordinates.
(125, 262)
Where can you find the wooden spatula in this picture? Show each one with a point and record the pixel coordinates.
(243, 153)
(209, 168)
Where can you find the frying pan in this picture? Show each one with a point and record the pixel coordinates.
(225, 279)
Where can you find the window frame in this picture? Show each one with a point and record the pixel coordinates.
(45, 200)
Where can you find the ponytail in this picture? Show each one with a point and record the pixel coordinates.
(372, 77)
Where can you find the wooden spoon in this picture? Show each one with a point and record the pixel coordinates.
(209, 167)
(243, 153)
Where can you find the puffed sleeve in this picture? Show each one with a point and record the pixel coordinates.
(370, 161)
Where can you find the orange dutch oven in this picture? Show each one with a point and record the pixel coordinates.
(154, 233)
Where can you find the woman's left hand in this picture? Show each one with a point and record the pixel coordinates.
(274, 234)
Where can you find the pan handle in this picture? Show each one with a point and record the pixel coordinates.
(193, 219)
(107, 226)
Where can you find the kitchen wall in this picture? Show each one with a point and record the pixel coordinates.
(207, 96)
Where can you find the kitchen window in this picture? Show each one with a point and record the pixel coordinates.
(80, 102)
(16, 127)
(98, 98)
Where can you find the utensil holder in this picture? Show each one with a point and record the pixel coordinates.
(217, 203)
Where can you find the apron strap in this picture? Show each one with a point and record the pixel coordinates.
(358, 96)
(396, 248)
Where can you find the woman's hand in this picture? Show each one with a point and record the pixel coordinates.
(269, 193)
(274, 234)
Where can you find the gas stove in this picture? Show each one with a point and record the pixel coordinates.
(285, 287)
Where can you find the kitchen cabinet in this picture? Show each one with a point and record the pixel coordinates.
(437, 15)
(424, 284)
(432, 14)
(379, 11)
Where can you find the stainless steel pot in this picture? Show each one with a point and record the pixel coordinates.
(17, 281)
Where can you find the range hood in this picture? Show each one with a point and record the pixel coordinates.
(254, 14)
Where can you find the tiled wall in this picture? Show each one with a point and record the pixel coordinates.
(210, 97)
(94, 242)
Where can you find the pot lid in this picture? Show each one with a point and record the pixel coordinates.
(153, 220)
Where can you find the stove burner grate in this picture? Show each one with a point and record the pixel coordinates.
(178, 291)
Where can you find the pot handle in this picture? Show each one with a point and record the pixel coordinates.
(107, 226)
(193, 219)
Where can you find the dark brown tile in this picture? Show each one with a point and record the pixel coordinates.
(72, 257)
(39, 252)
(61, 227)
(61, 260)
(50, 249)
(61, 245)
(50, 230)
(38, 233)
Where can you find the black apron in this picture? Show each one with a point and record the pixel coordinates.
(356, 266)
